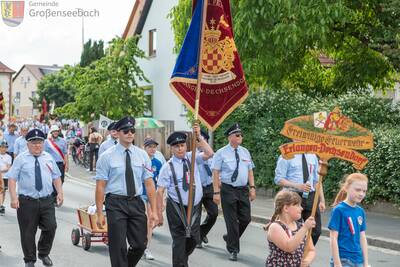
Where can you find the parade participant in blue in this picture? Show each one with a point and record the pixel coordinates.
(300, 174)
(233, 182)
(120, 173)
(57, 147)
(20, 144)
(175, 178)
(150, 146)
(5, 164)
(11, 136)
(207, 199)
(112, 141)
(35, 172)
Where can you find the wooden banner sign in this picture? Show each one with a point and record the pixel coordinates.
(328, 136)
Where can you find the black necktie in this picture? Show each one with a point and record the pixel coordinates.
(304, 164)
(38, 175)
(236, 172)
(208, 170)
(115, 142)
(129, 178)
(185, 184)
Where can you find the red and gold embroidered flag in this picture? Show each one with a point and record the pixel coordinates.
(223, 85)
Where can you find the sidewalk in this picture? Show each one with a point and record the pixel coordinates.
(382, 230)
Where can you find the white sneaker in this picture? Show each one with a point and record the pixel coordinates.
(148, 255)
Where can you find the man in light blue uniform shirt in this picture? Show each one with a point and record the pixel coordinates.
(300, 174)
(112, 141)
(35, 172)
(120, 172)
(20, 144)
(57, 147)
(233, 167)
(176, 174)
(10, 137)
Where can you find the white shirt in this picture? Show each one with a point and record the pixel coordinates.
(5, 160)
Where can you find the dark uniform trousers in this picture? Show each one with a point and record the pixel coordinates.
(307, 204)
(126, 218)
(182, 247)
(33, 213)
(211, 208)
(236, 209)
(61, 167)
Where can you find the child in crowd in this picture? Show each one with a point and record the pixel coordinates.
(5, 164)
(286, 235)
(348, 223)
(150, 146)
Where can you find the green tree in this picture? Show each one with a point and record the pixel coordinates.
(58, 86)
(280, 42)
(110, 85)
(91, 52)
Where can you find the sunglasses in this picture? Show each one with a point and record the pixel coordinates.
(126, 131)
(238, 135)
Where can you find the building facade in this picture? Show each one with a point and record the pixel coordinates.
(25, 88)
(6, 88)
(149, 19)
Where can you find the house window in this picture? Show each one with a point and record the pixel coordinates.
(22, 80)
(152, 43)
(17, 112)
(28, 79)
(148, 101)
(33, 94)
(18, 95)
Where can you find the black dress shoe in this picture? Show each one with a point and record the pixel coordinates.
(29, 264)
(205, 240)
(233, 256)
(46, 261)
(225, 237)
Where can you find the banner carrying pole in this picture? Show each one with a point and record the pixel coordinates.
(196, 116)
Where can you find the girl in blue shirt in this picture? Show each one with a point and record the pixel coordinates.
(347, 224)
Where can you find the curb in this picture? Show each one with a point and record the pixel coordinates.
(375, 241)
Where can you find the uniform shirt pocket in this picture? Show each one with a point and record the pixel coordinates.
(230, 163)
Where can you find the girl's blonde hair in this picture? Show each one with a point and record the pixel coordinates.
(283, 198)
(349, 179)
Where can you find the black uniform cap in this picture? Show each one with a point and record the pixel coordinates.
(176, 138)
(204, 134)
(125, 123)
(150, 141)
(111, 126)
(235, 128)
(35, 134)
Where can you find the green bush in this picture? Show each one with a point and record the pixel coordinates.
(262, 117)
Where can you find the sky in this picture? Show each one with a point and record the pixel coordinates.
(58, 40)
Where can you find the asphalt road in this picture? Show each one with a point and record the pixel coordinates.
(253, 244)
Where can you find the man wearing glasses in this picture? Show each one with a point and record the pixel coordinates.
(234, 187)
(35, 172)
(120, 173)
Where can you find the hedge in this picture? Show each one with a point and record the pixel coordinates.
(262, 117)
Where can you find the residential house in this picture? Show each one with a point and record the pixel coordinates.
(25, 87)
(149, 19)
(6, 88)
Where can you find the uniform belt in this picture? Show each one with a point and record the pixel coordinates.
(32, 198)
(236, 187)
(109, 195)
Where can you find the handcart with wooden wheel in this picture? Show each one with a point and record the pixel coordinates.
(88, 231)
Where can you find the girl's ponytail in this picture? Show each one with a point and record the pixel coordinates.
(274, 217)
(340, 196)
